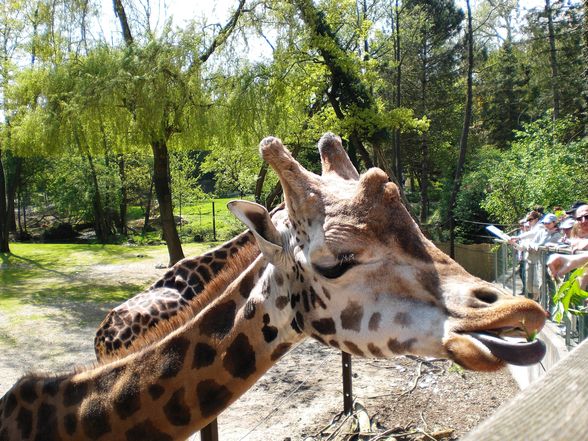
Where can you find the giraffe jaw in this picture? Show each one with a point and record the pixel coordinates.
(485, 339)
(483, 352)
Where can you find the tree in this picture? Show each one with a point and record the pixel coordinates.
(430, 69)
(553, 61)
(585, 66)
(11, 28)
(557, 162)
(463, 141)
(159, 99)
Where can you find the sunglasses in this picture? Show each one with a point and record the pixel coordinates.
(582, 218)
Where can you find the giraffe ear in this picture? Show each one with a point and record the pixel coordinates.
(258, 220)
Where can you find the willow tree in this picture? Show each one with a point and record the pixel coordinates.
(164, 95)
(76, 112)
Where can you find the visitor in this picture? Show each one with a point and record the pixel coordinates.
(548, 235)
(559, 212)
(530, 258)
(565, 228)
(579, 239)
(572, 211)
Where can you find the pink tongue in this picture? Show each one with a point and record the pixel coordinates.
(517, 353)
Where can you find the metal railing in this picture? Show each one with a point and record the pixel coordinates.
(508, 272)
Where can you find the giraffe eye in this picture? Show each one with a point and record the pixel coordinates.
(344, 263)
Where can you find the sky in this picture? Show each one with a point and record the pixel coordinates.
(181, 11)
(216, 11)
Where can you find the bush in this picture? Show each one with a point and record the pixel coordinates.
(62, 232)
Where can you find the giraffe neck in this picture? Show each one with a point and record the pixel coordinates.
(207, 293)
(171, 388)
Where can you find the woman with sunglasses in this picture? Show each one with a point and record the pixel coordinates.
(579, 239)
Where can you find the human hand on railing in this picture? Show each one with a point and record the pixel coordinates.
(560, 264)
(557, 265)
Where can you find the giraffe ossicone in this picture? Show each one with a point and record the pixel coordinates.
(344, 264)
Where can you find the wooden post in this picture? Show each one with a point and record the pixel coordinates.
(347, 383)
(210, 432)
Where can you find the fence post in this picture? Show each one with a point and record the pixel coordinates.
(213, 222)
(515, 266)
(347, 383)
(210, 432)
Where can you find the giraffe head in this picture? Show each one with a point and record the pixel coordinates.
(362, 277)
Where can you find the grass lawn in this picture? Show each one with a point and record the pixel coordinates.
(55, 273)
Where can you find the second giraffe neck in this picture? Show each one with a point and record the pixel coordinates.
(179, 384)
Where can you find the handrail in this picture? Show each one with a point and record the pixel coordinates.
(507, 273)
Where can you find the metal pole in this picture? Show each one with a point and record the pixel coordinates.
(515, 264)
(347, 383)
(210, 432)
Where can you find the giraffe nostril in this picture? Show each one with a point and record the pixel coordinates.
(485, 295)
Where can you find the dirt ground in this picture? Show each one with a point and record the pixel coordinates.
(297, 399)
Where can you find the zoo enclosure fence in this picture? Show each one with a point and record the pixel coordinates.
(506, 271)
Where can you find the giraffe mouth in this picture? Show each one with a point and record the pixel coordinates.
(512, 345)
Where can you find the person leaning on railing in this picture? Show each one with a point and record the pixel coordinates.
(531, 226)
(546, 234)
(579, 237)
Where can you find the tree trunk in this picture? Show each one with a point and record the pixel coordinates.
(463, 142)
(585, 61)
(148, 208)
(270, 202)
(4, 247)
(553, 61)
(163, 192)
(397, 59)
(259, 182)
(424, 139)
(13, 165)
(119, 11)
(100, 222)
(123, 195)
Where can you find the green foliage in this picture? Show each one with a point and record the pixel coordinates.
(543, 167)
(570, 298)
(185, 186)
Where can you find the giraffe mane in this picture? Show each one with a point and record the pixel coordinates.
(211, 291)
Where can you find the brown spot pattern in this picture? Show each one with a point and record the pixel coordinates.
(212, 397)
(353, 348)
(95, 420)
(401, 347)
(280, 350)
(282, 302)
(246, 285)
(204, 355)
(376, 351)
(219, 320)
(351, 316)
(173, 355)
(146, 431)
(176, 410)
(324, 326)
(128, 399)
(239, 359)
(374, 322)
(403, 319)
